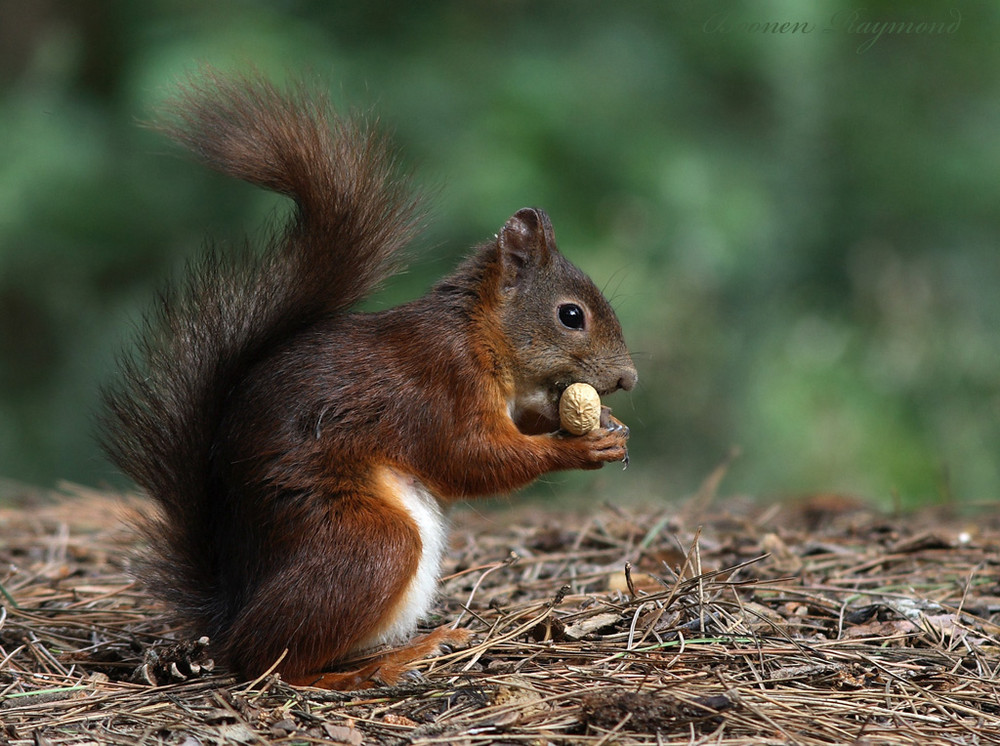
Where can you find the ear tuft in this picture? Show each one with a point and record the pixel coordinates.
(526, 241)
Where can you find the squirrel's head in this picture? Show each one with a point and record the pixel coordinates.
(560, 327)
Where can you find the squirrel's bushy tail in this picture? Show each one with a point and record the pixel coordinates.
(353, 214)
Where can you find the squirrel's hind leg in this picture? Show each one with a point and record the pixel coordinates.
(344, 582)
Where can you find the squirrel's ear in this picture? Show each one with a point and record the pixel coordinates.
(526, 241)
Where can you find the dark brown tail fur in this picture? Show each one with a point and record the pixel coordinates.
(352, 216)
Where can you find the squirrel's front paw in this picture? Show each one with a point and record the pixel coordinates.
(606, 444)
(610, 422)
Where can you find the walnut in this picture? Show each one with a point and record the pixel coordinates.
(579, 409)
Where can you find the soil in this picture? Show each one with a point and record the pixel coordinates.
(818, 621)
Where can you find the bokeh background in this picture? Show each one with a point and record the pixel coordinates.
(796, 217)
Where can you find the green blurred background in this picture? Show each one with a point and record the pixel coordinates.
(799, 230)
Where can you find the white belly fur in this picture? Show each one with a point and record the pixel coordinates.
(423, 508)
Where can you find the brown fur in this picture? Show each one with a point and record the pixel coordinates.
(259, 413)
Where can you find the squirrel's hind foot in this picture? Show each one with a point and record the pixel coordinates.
(390, 668)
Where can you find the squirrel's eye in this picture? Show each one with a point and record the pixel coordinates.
(571, 316)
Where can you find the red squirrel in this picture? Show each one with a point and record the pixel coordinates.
(301, 455)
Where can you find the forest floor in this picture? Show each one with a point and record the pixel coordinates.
(711, 621)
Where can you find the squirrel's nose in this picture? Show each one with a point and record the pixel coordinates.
(628, 379)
